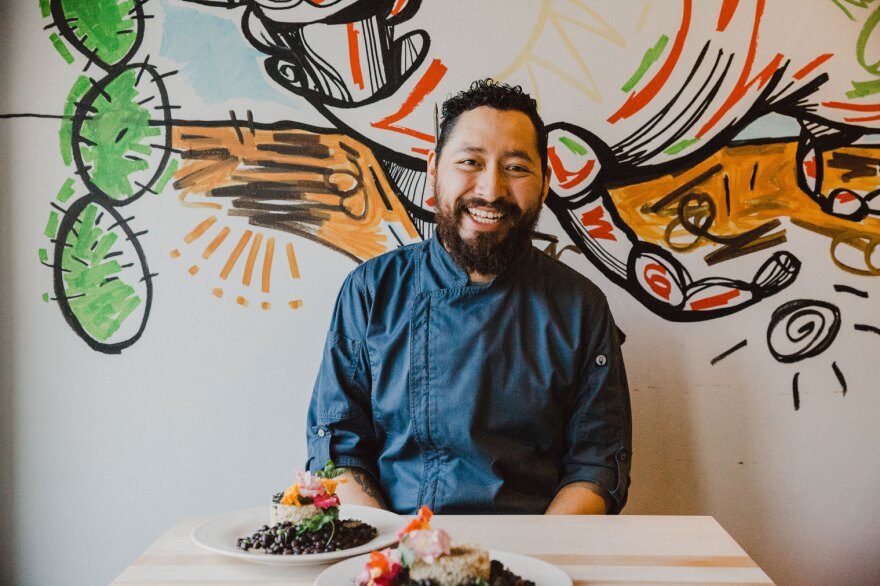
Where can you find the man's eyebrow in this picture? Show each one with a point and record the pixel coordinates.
(511, 154)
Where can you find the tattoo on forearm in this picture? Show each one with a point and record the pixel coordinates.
(365, 481)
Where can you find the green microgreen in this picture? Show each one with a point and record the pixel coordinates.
(330, 471)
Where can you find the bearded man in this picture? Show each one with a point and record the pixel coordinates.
(471, 372)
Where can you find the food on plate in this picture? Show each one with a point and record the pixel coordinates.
(305, 519)
(427, 557)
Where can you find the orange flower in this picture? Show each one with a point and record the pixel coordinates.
(330, 484)
(291, 496)
(378, 562)
(422, 521)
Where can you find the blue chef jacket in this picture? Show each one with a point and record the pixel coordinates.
(472, 398)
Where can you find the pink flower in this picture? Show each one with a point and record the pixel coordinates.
(428, 544)
(325, 501)
(309, 485)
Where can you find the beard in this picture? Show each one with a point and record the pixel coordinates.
(486, 253)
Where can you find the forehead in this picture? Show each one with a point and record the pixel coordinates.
(494, 130)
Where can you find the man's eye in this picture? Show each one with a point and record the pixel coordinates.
(518, 169)
(468, 162)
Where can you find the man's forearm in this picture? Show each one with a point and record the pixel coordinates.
(578, 498)
(360, 489)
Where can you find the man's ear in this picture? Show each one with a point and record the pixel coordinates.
(432, 163)
(546, 189)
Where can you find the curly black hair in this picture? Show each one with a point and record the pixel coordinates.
(498, 95)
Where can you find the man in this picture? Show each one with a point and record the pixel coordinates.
(471, 372)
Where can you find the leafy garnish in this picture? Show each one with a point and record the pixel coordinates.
(481, 582)
(317, 522)
(276, 498)
(330, 471)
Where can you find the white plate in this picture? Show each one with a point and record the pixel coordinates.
(540, 572)
(221, 534)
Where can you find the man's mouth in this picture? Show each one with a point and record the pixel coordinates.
(484, 216)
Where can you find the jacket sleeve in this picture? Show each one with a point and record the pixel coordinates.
(340, 422)
(599, 420)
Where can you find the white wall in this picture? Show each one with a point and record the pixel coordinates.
(205, 414)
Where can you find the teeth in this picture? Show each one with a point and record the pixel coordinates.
(485, 217)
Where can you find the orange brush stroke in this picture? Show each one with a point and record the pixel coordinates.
(638, 100)
(291, 260)
(397, 7)
(200, 229)
(812, 65)
(742, 85)
(863, 118)
(425, 86)
(215, 243)
(853, 107)
(596, 226)
(267, 263)
(727, 10)
(715, 300)
(252, 258)
(354, 56)
(233, 258)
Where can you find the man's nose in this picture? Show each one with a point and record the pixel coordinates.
(492, 183)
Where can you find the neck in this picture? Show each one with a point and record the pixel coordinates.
(474, 277)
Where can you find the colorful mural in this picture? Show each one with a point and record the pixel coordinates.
(667, 173)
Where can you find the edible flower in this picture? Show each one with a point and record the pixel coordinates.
(381, 570)
(309, 484)
(330, 484)
(291, 496)
(422, 521)
(428, 544)
(325, 501)
(318, 488)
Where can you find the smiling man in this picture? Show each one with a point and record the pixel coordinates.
(471, 372)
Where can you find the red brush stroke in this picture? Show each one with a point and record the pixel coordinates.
(715, 300)
(430, 201)
(567, 179)
(727, 10)
(812, 65)
(657, 281)
(602, 229)
(741, 84)
(845, 197)
(420, 151)
(638, 100)
(425, 86)
(354, 56)
(810, 167)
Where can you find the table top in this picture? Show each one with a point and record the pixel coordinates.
(592, 550)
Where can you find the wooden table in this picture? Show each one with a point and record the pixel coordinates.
(615, 550)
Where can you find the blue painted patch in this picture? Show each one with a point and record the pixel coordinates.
(771, 125)
(215, 57)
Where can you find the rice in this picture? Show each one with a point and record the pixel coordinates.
(465, 563)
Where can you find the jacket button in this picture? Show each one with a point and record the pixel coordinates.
(601, 360)
(321, 432)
